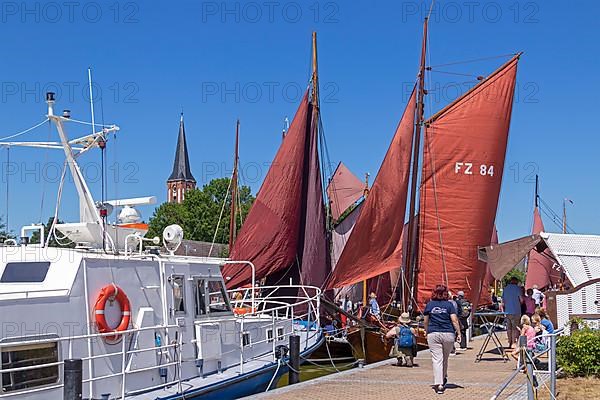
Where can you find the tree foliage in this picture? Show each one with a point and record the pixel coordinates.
(199, 213)
(35, 237)
(514, 273)
(4, 233)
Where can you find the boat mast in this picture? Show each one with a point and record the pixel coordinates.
(537, 191)
(411, 250)
(234, 189)
(315, 77)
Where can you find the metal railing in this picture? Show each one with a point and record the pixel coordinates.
(275, 310)
(527, 363)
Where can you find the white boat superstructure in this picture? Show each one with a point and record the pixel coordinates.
(146, 324)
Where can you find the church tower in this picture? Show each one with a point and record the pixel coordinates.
(181, 179)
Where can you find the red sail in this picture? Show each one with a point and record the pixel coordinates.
(539, 265)
(464, 151)
(343, 190)
(315, 255)
(375, 245)
(274, 234)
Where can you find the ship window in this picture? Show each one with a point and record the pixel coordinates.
(269, 335)
(280, 333)
(177, 283)
(199, 297)
(246, 339)
(28, 356)
(218, 301)
(25, 272)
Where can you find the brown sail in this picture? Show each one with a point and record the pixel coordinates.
(485, 297)
(463, 161)
(279, 231)
(375, 245)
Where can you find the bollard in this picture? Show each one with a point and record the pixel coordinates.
(73, 375)
(294, 373)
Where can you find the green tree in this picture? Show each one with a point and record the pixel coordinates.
(35, 237)
(4, 233)
(199, 213)
(516, 273)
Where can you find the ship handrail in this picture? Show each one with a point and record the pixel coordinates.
(273, 308)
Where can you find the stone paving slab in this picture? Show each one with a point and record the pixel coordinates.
(466, 380)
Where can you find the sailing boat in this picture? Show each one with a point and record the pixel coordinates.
(463, 158)
(284, 234)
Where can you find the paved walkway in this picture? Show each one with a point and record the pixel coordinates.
(466, 380)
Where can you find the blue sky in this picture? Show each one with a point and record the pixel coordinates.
(223, 60)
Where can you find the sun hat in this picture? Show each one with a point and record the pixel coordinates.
(404, 318)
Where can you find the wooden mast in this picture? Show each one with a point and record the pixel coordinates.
(537, 191)
(315, 77)
(411, 250)
(234, 189)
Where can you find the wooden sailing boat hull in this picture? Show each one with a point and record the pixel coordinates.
(333, 350)
(376, 346)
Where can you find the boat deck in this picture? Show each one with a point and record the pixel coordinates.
(467, 380)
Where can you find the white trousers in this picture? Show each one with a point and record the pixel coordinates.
(440, 346)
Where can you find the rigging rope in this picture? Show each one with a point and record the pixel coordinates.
(90, 124)
(7, 188)
(473, 60)
(43, 194)
(25, 131)
(220, 216)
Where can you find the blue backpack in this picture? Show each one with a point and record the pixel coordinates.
(405, 338)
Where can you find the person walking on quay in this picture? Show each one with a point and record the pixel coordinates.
(442, 327)
(463, 311)
(512, 308)
(405, 344)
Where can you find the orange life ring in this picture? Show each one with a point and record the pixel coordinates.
(243, 310)
(112, 292)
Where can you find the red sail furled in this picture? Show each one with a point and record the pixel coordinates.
(316, 264)
(343, 190)
(539, 265)
(273, 231)
(463, 161)
(375, 245)
(488, 280)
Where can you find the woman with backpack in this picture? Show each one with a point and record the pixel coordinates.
(405, 344)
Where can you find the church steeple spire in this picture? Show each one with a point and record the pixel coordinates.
(181, 179)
